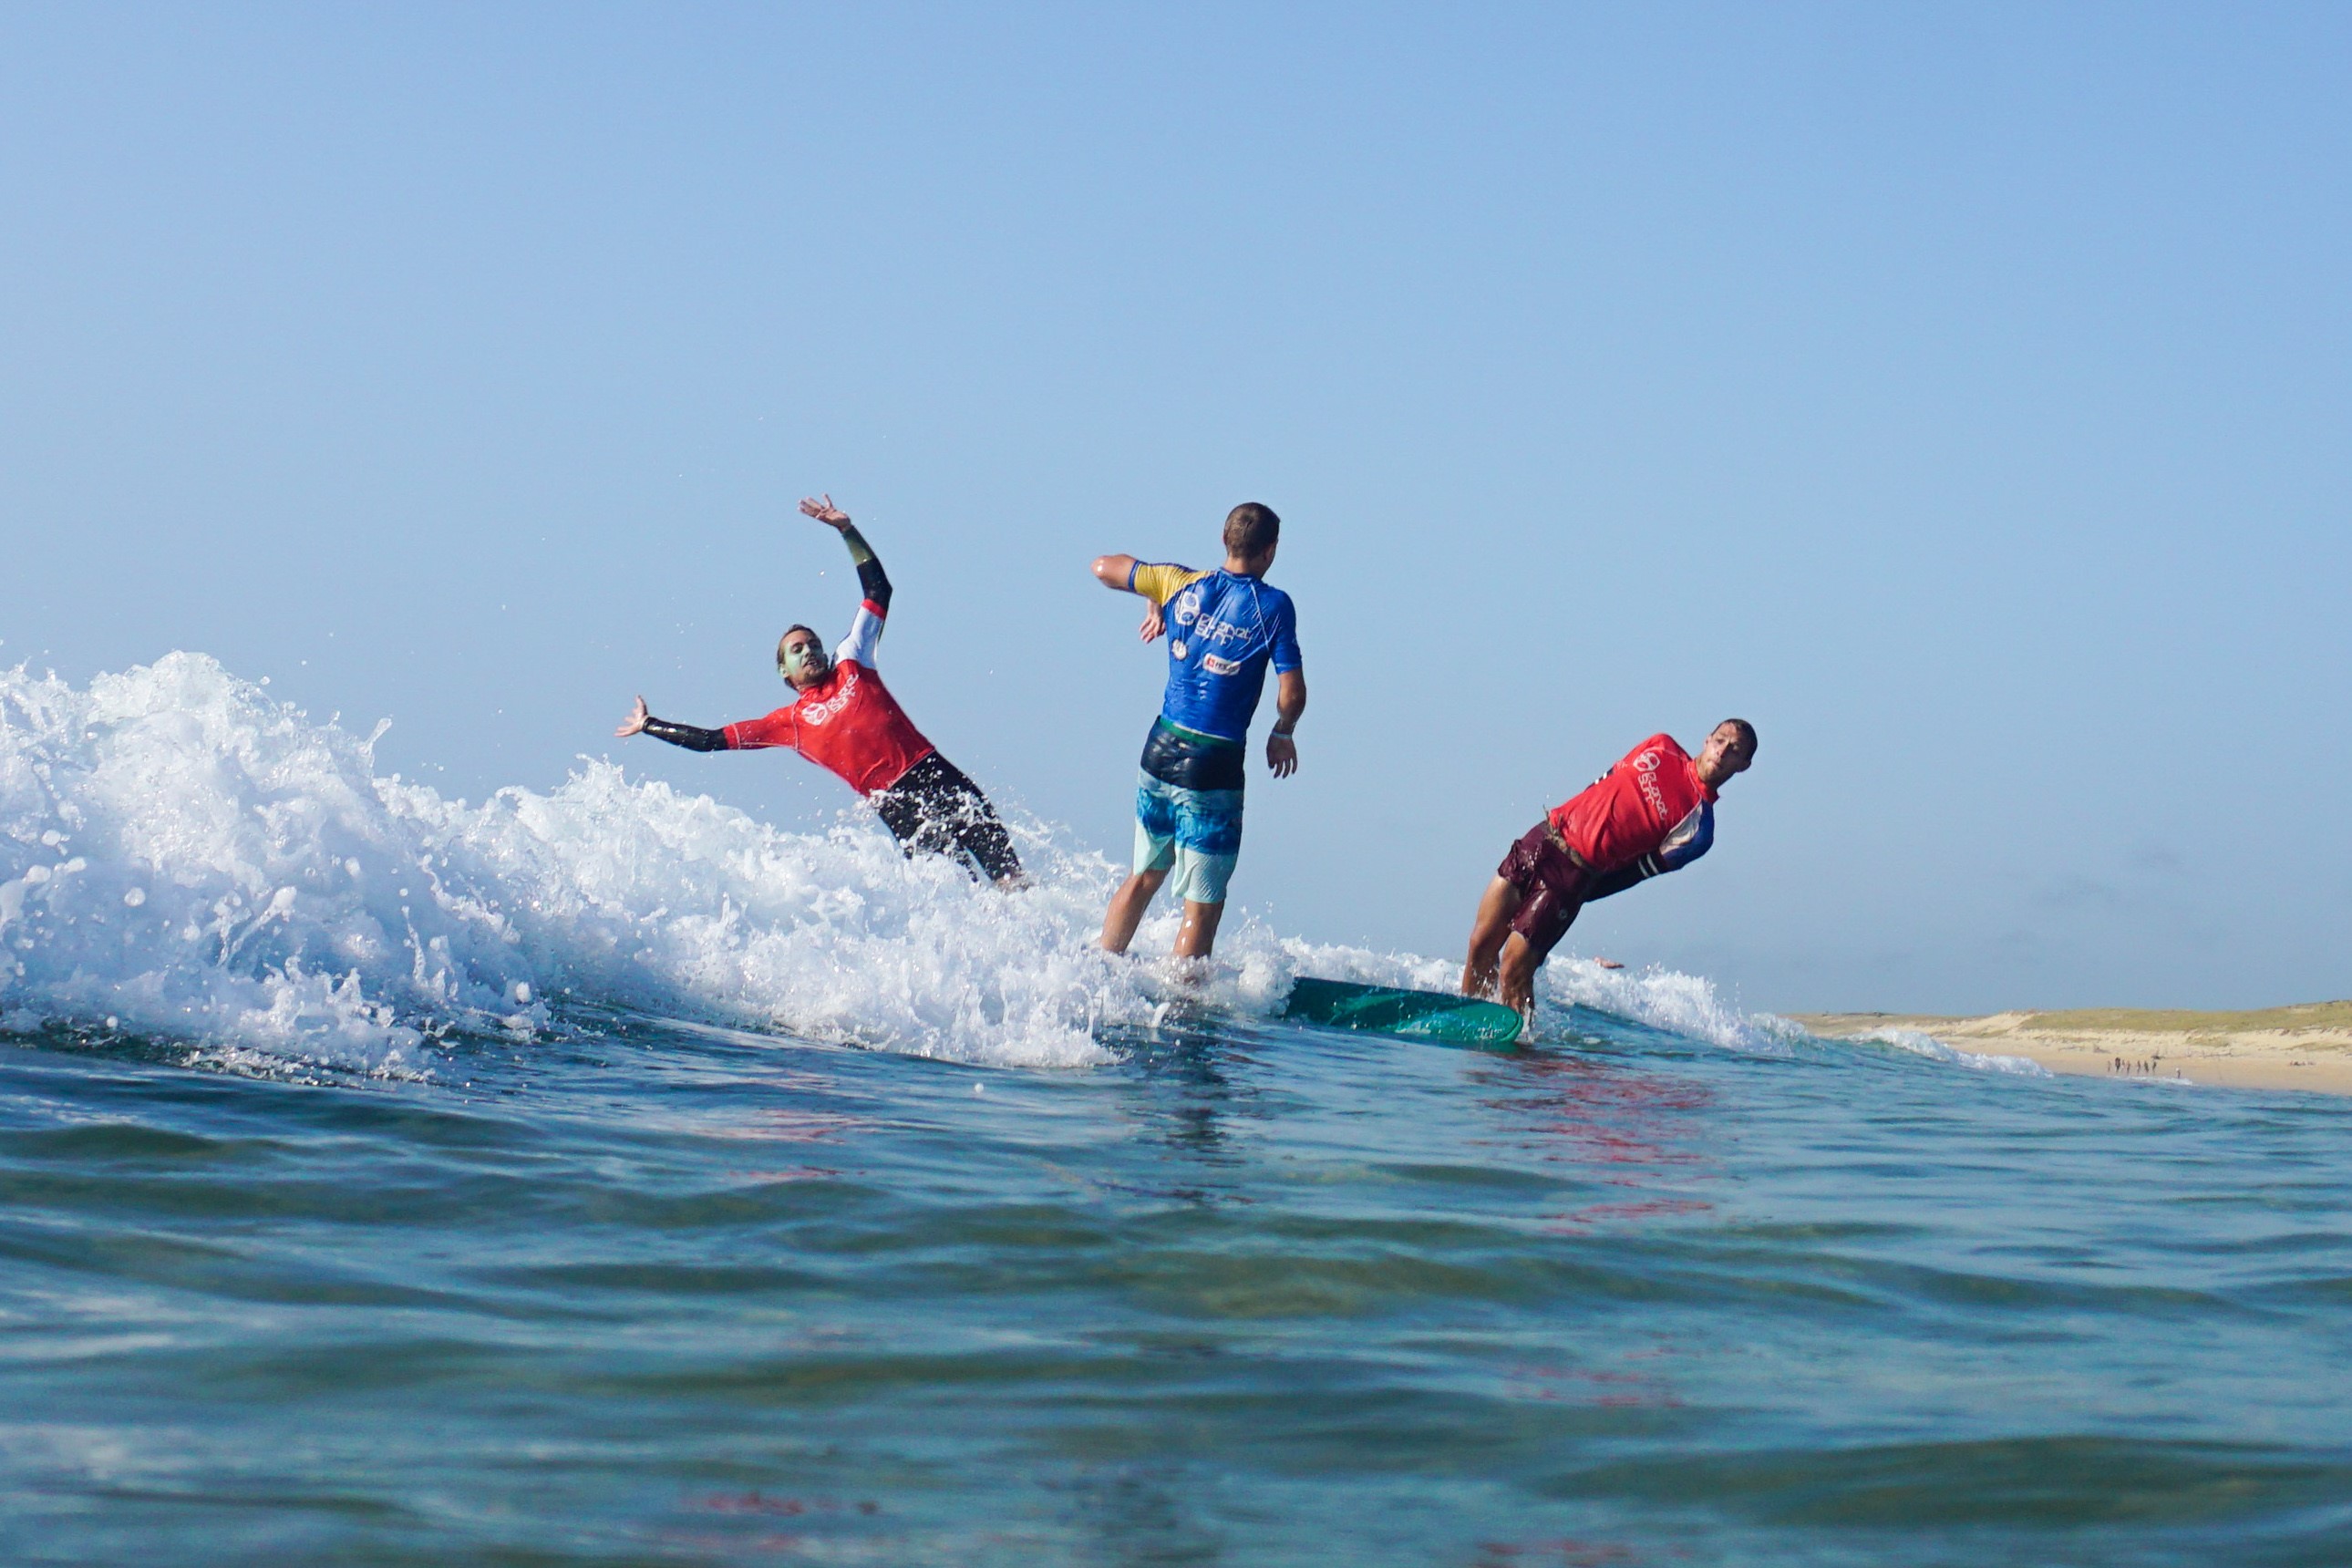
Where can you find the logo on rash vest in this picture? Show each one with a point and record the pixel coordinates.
(1223, 631)
(829, 710)
(1645, 768)
(1188, 606)
(1216, 666)
(1177, 648)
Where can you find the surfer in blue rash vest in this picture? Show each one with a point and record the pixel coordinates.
(1224, 627)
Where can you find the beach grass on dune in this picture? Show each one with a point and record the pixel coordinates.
(2173, 1021)
(2300, 1016)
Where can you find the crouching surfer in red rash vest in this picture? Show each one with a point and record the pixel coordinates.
(1653, 812)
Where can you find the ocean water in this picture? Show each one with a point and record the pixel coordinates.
(599, 1176)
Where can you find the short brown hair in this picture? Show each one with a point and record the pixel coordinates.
(789, 630)
(1747, 733)
(1251, 529)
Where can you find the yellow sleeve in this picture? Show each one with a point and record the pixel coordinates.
(1161, 583)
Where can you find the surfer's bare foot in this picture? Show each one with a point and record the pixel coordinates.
(1608, 963)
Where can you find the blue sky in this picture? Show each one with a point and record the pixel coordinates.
(1959, 393)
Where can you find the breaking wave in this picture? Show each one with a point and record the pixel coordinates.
(183, 857)
(1922, 1043)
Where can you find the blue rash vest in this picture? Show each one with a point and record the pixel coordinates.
(1223, 629)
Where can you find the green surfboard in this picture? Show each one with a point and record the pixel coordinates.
(1433, 1016)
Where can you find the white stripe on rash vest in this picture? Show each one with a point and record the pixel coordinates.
(865, 638)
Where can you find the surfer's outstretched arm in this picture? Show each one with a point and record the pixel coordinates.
(865, 638)
(1117, 572)
(640, 722)
(872, 581)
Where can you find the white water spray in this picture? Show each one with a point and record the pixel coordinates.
(184, 857)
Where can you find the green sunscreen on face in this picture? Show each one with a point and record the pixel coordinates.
(800, 659)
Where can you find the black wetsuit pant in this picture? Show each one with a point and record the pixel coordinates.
(934, 807)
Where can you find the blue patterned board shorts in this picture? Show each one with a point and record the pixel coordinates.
(1198, 831)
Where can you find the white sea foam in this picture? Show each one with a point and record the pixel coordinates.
(183, 857)
(1926, 1045)
(1665, 999)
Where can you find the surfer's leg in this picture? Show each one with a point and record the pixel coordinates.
(1486, 934)
(1544, 917)
(900, 807)
(1208, 844)
(1519, 878)
(1198, 935)
(984, 839)
(1127, 906)
(936, 808)
(973, 826)
(1155, 852)
(1519, 962)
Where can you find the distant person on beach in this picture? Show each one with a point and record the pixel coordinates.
(1224, 627)
(1653, 812)
(846, 719)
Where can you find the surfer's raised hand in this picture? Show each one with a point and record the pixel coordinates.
(635, 723)
(1155, 621)
(825, 512)
(1281, 754)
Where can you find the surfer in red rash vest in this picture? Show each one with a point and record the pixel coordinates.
(1651, 813)
(846, 720)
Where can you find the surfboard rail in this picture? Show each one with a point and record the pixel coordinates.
(1438, 1018)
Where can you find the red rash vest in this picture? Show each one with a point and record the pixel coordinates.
(1651, 804)
(848, 722)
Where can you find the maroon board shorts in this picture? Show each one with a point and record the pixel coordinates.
(1551, 886)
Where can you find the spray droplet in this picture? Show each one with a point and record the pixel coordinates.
(135, 896)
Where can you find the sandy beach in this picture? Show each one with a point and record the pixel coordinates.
(2307, 1046)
